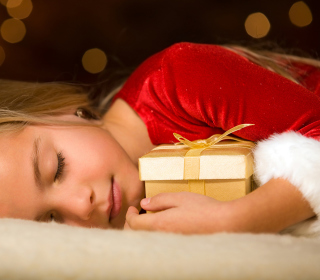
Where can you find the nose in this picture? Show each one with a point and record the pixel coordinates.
(76, 203)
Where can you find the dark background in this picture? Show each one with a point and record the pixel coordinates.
(128, 31)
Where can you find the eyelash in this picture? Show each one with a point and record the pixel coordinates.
(52, 218)
(60, 167)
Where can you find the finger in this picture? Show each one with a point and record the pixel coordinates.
(135, 221)
(161, 201)
(126, 226)
(132, 211)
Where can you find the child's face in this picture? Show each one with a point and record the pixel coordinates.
(75, 175)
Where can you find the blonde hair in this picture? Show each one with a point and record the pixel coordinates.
(282, 64)
(23, 103)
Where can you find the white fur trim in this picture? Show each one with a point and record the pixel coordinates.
(296, 158)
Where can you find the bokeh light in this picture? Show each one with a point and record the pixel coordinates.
(19, 11)
(13, 30)
(257, 25)
(94, 60)
(2, 55)
(4, 2)
(300, 14)
(13, 3)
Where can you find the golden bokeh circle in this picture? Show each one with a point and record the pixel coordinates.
(2, 55)
(13, 3)
(300, 14)
(257, 25)
(19, 11)
(13, 30)
(94, 60)
(4, 2)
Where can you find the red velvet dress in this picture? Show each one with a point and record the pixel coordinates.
(199, 90)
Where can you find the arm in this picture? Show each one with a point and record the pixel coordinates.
(274, 206)
(271, 208)
(210, 90)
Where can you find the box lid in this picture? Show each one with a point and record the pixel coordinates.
(166, 162)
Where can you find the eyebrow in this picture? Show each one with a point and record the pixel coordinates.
(35, 163)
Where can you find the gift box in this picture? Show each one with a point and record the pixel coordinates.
(219, 169)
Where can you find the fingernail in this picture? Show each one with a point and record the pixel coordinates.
(145, 201)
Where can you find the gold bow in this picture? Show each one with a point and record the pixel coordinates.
(192, 157)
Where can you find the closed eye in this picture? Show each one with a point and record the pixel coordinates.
(60, 166)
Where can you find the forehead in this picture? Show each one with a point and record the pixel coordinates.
(15, 172)
(11, 145)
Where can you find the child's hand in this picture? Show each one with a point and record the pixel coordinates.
(273, 207)
(178, 212)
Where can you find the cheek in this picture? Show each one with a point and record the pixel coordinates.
(96, 153)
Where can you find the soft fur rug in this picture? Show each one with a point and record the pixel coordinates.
(30, 250)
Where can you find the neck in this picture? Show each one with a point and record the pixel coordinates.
(128, 129)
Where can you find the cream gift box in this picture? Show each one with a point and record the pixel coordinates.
(222, 170)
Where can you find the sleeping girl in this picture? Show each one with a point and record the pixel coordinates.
(58, 162)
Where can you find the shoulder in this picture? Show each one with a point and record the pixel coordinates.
(184, 56)
(190, 51)
(190, 59)
(179, 70)
(186, 47)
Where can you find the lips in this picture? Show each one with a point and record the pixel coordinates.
(116, 200)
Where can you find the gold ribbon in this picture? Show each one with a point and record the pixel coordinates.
(192, 157)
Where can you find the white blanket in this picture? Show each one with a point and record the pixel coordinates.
(30, 250)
